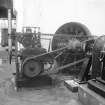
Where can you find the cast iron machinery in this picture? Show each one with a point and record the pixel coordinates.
(31, 59)
(97, 83)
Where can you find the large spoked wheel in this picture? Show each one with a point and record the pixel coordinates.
(32, 68)
(73, 29)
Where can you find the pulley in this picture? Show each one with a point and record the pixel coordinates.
(31, 68)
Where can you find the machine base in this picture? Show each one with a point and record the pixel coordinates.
(40, 81)
(89, 97)
(97, 86)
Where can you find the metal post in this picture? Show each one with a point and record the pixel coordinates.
(9, 33)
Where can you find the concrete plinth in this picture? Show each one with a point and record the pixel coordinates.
(88, 97)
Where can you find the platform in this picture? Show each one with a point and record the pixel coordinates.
(98, 86)
(88, 97)
(40, 81)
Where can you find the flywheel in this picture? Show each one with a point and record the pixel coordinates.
(61, 39)
(73, 29)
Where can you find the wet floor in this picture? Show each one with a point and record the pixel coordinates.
(52, 95)
(58, 95)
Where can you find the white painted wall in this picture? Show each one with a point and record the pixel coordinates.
(18, 5)
(51, 14)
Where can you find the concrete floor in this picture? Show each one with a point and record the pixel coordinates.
(52, 95)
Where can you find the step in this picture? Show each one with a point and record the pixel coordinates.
(89, 97)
